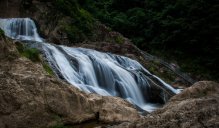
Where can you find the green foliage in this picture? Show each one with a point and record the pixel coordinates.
(48, 69)
(34, 55)
(119, 39)
(74, 33)
(2, 33)
(31, 53)
(82, 21)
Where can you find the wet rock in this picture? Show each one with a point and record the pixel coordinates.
(195, 107)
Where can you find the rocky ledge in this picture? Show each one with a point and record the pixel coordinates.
(30, 98)
(195, 107)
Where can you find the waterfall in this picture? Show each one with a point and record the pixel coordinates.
(20, 28)
(92, 71)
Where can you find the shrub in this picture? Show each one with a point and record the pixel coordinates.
(31, 53)
(119, 39)
(81, 23)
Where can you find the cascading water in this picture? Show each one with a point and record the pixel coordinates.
(92, 71)
(20, 28)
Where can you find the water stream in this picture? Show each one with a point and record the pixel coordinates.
(92, 71)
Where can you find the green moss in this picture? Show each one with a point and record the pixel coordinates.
(34, 55)
(59, 123)
(2, 33)
(48, 69)
(31, 53)
(119, 39)
(86, 15)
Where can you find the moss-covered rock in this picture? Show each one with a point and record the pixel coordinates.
(2, 33)
(31, 53)
(48, 69)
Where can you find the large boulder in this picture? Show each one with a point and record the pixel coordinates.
(196, 107)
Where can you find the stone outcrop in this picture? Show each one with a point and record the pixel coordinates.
(196, 107)
(31, 98)
(7, 50)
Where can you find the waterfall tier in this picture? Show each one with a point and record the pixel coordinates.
(20, 29)
(92, 71)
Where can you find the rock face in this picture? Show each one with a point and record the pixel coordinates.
(10, 8)
(30, 98)
(195, 107)
(7, 50)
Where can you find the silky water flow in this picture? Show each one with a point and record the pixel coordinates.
(92, 71)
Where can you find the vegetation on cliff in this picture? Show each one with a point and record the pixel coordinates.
(81, 21)
(2, 34)
(34, 55)
(184, 30)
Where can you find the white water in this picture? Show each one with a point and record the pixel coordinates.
(92, 71)
(20, 28)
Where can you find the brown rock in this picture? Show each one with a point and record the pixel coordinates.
(195, 107)
(7, 50)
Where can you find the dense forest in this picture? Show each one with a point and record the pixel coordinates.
(183, 30)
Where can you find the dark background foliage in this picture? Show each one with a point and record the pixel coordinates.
(183, 30)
